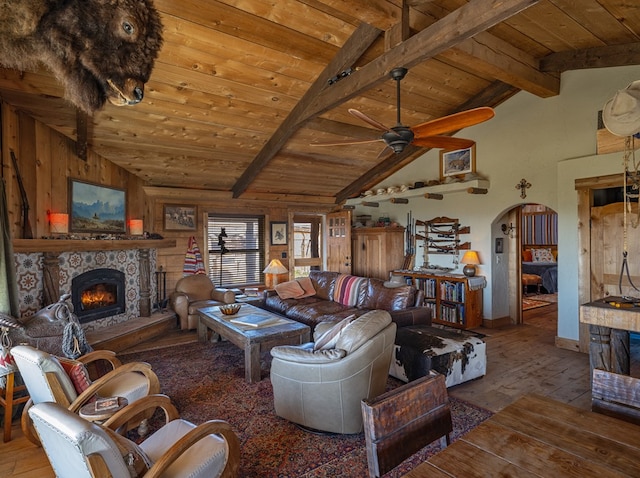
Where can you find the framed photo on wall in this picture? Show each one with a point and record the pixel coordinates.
(458, 162)
(278, 233)
(96, 208)
(180, 217)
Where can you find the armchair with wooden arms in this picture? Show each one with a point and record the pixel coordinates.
(80, 449)
(67, 382)
(194, 292)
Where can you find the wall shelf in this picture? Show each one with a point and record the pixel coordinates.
(420, 192)
(72, 245)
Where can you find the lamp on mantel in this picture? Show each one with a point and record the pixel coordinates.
(470, 260)
(58, 223)
(272, 273)
(136, 227)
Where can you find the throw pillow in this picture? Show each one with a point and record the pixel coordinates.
(307, 287)
(542, 255)
(135, 458)
(328, 340)
(77, 372)
(527, 256)
(347, 288)
(289, 290)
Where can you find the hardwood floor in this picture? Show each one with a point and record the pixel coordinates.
(521, 359)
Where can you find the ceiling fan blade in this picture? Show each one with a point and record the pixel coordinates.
(347, 142)
(367, 119)
(443, 142)
(454, 122)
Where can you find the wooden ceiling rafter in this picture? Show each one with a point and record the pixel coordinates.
(456, 27)
(598, 57)
(353, 49)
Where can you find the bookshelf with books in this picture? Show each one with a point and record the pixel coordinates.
(449, 297)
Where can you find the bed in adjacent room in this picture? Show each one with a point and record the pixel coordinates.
(541, 261)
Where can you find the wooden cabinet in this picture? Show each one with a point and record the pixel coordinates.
(376, 251)
(450, 299)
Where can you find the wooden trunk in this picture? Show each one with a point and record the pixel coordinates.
(402, 421)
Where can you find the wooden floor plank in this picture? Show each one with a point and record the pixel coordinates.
(514, 354)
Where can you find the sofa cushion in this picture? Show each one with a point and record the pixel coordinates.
(323, 283)
(347, 289)
(318, 311)
(289, 290)
(330, 337)
(377, 296)
(282, 306)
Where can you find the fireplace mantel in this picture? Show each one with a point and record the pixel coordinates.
(72, 245)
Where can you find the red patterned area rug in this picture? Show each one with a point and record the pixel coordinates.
(206, 381)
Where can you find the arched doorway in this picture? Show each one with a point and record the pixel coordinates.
(526, 252)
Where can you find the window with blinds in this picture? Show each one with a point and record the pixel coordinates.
(238, 259)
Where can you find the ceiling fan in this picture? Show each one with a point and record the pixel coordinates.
(428, 134)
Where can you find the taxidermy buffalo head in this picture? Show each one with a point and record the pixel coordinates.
(98, 49)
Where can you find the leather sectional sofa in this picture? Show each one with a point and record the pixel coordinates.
(403, 302)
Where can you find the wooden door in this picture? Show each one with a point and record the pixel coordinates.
(339, 242)
(607, 247)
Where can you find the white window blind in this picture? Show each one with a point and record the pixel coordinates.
(244, 262)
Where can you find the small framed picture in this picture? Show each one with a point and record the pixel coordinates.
(278, 233)
(499, 245)
(180, 217)
(458, 162)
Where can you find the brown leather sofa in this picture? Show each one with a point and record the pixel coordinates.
(403, 303)
(194, 292)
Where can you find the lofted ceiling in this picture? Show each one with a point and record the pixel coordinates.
(241, 88)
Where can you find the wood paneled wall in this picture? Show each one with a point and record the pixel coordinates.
(46, 159)
(172, 260)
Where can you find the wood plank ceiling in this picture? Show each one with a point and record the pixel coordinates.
(241, 87)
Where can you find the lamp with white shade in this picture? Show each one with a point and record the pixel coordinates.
(272, 273)
(470, 260)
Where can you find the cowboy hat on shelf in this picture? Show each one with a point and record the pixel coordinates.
(621, 114)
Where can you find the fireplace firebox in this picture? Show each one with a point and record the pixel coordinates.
(98, 293)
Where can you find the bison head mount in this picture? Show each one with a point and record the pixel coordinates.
(100, 50)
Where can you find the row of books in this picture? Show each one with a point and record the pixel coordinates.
(453, 313)
(452, 291)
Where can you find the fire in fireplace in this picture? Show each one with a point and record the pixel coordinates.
(98, 293)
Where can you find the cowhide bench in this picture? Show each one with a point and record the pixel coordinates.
(458, 355)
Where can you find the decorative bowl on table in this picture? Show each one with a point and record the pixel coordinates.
(230, 309)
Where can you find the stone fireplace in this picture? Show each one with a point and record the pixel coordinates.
(46, 269)
(98, 293)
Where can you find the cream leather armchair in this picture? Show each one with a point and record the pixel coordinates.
(322, 389)
(47, 381)
(80, 449)
(194, 292)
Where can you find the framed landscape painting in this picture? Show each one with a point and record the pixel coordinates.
(458, 162)
(96, 208)
(180, 217)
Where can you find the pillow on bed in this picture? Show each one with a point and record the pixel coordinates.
(527, 256)
(542, 255)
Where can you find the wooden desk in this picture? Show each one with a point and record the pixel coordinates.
(539, 436)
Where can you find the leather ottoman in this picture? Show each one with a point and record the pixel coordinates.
(458, 355)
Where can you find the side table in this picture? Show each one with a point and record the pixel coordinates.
(89, 412)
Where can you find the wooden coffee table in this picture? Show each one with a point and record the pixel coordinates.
(253, 340)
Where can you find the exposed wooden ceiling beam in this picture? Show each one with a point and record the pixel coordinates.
(598, 57)
(353, 49)
(461, 24)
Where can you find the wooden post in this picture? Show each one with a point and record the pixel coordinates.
(145, 281)
(600, 348)
(51, 277)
